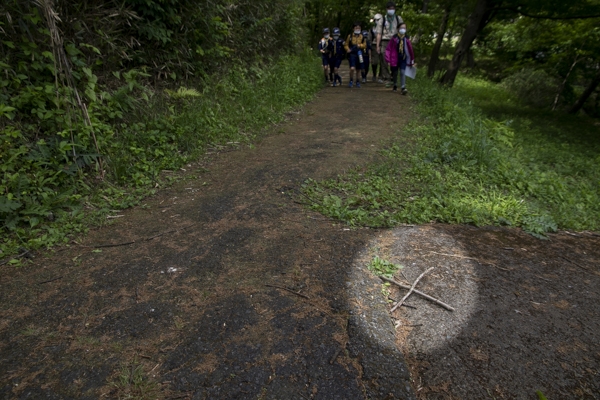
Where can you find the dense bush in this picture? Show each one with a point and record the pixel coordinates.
(94, 105)
(532, 86)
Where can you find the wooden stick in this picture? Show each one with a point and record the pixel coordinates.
(471, 258)
(412, 288)
(455, 255)
(50, 280)
(335, 356)
(436, 301)
(101, 246)
(289, 290)
(574, 263)
(403, 305)
(8, 259)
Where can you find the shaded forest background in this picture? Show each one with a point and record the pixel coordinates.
(99, 98)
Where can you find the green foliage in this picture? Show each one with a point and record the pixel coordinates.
(540, 395)
(45, 192)
(132, 382)
(381, 267)
(90, 113)
(533, 86)
(505, 165)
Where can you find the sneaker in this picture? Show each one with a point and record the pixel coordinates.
(395, 89)
(388, 84)
(358, 85)
(380, 80)
(364, 80)
(350, 84)
(404, 91)
(334, 84)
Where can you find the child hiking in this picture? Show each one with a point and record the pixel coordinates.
(355, 46)
(336, 57)
(325, 47)
(399, 54)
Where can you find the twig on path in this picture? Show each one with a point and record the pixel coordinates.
(574, 263)
(403, 305)
(335, 356)
(102, 246)
(12, 258)
(412, 288)
(470, 258)
(50, 280)
(289, 290)
(428, 297)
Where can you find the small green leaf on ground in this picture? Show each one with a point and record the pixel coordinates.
(381, 267)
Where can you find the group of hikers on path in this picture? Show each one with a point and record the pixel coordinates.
(385, 48)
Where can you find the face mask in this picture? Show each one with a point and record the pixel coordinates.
(336, 37)
(357, 32)
(402, 31)
(391, 12)
(327, 36)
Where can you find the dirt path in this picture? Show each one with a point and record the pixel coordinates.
(188, 313)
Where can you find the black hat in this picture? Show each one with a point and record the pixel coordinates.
(390, 4)
(325, 30)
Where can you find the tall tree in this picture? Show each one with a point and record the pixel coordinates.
(586, 94)
(435, 54)
(477, 21)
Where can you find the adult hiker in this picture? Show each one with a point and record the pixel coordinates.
(386, 29)
(373, 41)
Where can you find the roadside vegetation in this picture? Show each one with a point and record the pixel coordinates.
(475, 155)
(97, 102)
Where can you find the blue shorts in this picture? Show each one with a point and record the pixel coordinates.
(335, 63)
(353, 61)
(326, 60)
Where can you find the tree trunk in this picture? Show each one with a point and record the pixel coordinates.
(470, 58)
(425, 4)
(477, 21)
(564, 84)
(586, 94)
(435, 54)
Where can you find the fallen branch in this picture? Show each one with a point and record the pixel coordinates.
(433, 299)
(102, 246)
(574, 263)
(412, 288)
(403, 305)
(289, 290)
(13, 258)
(335, 356)
(471, 258)
(50, 280)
